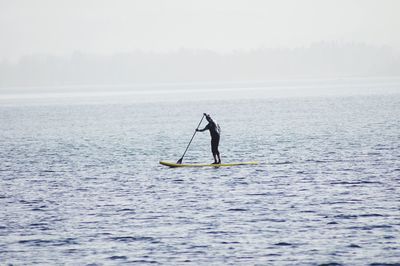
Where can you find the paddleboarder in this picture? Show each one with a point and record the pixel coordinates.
(215, 133)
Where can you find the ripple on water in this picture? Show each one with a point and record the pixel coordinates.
(237, 210)
(118, 258)
(283, 244)
(134, 239)
(49, 242)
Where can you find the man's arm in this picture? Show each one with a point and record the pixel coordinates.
(204, 129)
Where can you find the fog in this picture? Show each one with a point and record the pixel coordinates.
(60, 43)
(318, 61)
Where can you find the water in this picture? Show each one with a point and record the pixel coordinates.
(81, 184)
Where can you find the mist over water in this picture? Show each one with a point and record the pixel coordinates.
(80, 183)
(195, 91)
(319, 60)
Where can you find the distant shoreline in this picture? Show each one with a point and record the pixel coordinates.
(138, 87)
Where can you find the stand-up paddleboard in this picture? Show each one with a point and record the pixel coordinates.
(205, 165)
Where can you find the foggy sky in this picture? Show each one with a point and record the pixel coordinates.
(107, 27)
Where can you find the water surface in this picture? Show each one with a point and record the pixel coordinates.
(80, 183)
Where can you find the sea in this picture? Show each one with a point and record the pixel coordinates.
(81, 183)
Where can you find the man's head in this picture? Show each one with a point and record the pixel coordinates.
(208, 117)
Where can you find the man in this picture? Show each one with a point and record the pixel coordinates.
(215, 133)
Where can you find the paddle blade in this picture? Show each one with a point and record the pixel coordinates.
(179, 161)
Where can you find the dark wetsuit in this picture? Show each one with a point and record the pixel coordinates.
(215, 132)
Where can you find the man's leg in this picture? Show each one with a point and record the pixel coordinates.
(217, 151)
(214, 150)
(215, 159)
(219, 158)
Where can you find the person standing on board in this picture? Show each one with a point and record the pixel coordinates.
(215, 133)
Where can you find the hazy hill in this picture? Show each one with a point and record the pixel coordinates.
(320, 60)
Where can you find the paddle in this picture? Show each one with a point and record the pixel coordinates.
(180, 160)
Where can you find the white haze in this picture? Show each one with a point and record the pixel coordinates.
(75, 42)
(108, 27)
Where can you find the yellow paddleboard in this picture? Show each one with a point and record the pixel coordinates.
(205, 165)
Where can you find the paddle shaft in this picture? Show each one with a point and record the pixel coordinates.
(180, 160)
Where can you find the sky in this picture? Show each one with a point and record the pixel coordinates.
(106, 27)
